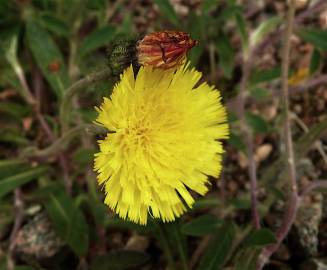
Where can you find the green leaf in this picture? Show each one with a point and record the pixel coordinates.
(54, 25)
(168, 11)
(14, 109)
(84, 156)
(317, 38)
(236, 141)
(261, 237)
(258, 124)
(259, 93)
(195, 54)
(88, 114)
(10, 183)
(11, 167)
(229, 13)
(315, 61)
(241, 26)
(232, 117)
(118, 223)
(3, 260)
(23, 267)
(241, 203)
(202, 225)
(195, 24)
(12, 136)
(218, 249)
(208, 5)
(68, 221)
(126, 27)
(264, 28)
(8, 45)
(226, 55)
(120, 260)
(97, 4)
(46, 188)
(7, 216)
(97, 39)
(8, 48)
(203, 203)
(261, 76)
(246, 258)
(47, 54)
(97, 208)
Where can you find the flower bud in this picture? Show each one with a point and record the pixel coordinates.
(164, 49)
(121, 54)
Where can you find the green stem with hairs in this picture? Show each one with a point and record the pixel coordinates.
(61, 143)
(165, 245)
(65, 107)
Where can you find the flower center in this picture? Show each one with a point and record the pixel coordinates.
(137, 135)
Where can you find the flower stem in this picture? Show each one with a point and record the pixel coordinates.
(165, 245)
(180, 247)
(61, 143)
(293, 201)
(247, 133)
(74, 89)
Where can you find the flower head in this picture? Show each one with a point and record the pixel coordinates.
(164, 49)
(163, 142)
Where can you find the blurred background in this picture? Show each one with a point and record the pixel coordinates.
(51, 210)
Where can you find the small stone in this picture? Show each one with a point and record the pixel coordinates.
(282, 253)
(325, 95)
(269, 110)
(263, 152)
(306, 227)
(232, 186)
(323, 19)
(117, 239)
(137, 243)
(321, 105)
(297, 109)
(37, 238)
(299, 4)
(242, 160)
(27, 123)
(314, 264)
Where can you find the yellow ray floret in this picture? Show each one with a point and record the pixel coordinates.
(163, 142)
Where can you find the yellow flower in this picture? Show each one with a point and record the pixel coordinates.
(163, 142)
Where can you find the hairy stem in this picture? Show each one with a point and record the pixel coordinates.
(38, 85)
(74, 89)
(275, 36)
(246, 71)
(61, 143)
(293, 202)
(314, 185)
(19, 214)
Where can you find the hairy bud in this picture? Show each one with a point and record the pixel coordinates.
(165, 49)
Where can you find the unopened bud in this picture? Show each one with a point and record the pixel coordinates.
(164, 49)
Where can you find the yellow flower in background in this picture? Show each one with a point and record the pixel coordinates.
(163, 142)
(300, 76)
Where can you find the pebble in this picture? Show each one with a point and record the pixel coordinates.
(242, 160)
(323, 19)
(137, 243)
(263, 152)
